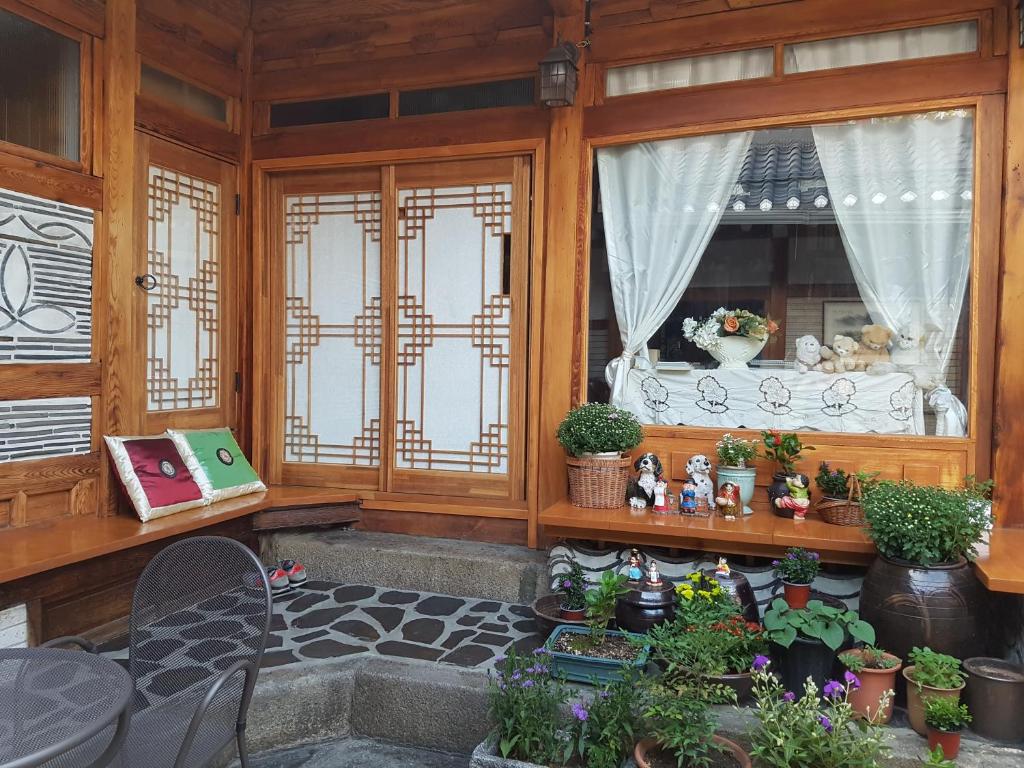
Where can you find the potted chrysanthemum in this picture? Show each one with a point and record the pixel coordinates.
(595, 437)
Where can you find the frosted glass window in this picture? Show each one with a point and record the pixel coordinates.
(685, 73)
(40, 90)
(878, 48)
(191, 98)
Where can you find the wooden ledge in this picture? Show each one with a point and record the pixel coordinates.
(762, 533)
(1000, 565)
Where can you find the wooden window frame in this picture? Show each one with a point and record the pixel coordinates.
(232, 104)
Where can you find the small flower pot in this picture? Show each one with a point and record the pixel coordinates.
(796, 595)
(572, 614)
(873, 685)
(916, 697)
(647, 746)
(948, 740)
(995, 697)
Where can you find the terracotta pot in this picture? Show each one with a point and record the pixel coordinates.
(647, 745)
(572, 614)
(796, 595)
(915, 699)
(873, 684)
(948, 740)
(940, 607)
(995, 697)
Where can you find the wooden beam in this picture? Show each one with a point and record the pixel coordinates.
(172, 122)
(567, 8)
(33, 177)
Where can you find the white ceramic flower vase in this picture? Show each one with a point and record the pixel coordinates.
(743, 478)
(736, 351)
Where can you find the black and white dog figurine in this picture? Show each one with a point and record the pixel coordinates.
(699, 468)
(640, 493)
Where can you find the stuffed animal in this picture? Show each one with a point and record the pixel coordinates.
(907, 347)
(846, 358)
(699, 468)
(874, 349)
(812, 356)
(640, 492)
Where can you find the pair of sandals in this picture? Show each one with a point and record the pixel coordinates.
(286, 576)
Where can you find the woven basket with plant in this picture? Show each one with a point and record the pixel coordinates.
(842, 493)
(595, 437)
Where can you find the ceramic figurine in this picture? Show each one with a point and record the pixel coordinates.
(699, 468)
(722, 569)
(728, 500)
(797, 497)
(636, 571)
(641, 489)
(653, 576)
(688, 497)
(660, 500)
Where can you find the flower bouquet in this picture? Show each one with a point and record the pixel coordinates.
(733, 337)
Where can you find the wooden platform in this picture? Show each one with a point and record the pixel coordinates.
(1000, 566)
(759, 534)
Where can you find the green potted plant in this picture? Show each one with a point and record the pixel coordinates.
(877, 672)
(680, 730)
(735, 465)
(805, 640)
(937, 759)
(797, 569)
(921, 590)
(573, 586)
(784, 450)
(595, 436)
(945, 719)
(841, 494)
(811, 730)
(596, 653)
(930, 675)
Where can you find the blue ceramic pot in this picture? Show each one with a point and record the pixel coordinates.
(743, 478)
(589, 669)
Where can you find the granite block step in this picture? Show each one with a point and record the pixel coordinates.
(356, 753)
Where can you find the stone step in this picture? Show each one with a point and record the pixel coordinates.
(445, 566)
(356, 753)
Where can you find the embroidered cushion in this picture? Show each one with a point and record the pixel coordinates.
(217, 463)
(154, 476)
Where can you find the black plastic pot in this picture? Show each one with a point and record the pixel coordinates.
(995, 697)
(804, 658)
(778, 489)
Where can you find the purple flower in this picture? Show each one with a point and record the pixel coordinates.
(851, 680)
(833, 689)
(516, 675)
(814, 555)
(825, 723)
(580, 712)
(789, 697)
(542, 651)
(791, 556)
(605, 694)
(500, 659)
(776, 563)
(566, 584)
(760, 662)
(528, 683)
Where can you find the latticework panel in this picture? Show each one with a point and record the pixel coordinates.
(45, 280)
(183, 310)
(334, 328)
(454, 329)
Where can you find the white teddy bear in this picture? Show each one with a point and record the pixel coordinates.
(845, 349)
(812, 356)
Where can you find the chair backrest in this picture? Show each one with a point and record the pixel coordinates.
(201, 605)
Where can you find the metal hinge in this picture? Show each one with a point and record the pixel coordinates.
(238, 381)
(238, 205)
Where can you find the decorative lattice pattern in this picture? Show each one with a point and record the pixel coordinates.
(45, 280)
(334, 328)
(183, 310)
(45, 429)
(454, 329)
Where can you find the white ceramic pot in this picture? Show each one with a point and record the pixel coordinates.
(736, 351)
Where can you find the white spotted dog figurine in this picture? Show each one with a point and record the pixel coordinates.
(641, 491)
(699, 468)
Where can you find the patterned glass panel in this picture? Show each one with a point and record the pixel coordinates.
(44, 429)
(45, 280)
(334, 329)
(454, 328)
(183, 310)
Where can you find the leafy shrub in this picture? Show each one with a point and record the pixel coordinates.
(798, 566)
(601, 604)
(935, 670)
(818, 621)
(604, 731)
(525, 708)
(574, 586)
(598, 428)
(682, 725)
(945, 714)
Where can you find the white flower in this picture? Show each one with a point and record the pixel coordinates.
(689, 326)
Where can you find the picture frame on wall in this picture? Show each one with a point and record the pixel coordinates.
(843, 318)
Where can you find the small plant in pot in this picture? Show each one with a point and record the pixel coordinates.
(797, 569)
(921, 591)
(930, 675)
(735, 465)
(937, 759)
(945, 719)
(841, 494)
(784, 493)
(877, 672)
(805, 640)
(573, 586)
(596, 653)
(595, 436)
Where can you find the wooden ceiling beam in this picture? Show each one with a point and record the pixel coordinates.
(567, 8)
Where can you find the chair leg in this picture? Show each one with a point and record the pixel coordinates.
(243, 749)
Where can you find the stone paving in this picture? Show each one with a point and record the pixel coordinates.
(356, 753)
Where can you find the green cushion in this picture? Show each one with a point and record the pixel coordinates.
(217, 463)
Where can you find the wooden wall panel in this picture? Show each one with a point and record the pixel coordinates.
(86, 15)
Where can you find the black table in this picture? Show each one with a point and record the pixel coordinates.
(61, 708)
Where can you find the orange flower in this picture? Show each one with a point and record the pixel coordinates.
(772, 326)
(731, 324)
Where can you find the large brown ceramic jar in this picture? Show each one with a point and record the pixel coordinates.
(941, 607)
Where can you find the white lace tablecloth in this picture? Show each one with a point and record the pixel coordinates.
(754, 398)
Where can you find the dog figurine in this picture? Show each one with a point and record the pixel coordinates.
(699, 468)
(641, 491)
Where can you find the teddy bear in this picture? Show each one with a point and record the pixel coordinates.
(812, 356)
(874, 349)
(846, 354)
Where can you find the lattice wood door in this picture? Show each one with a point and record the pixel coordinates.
(186, 256)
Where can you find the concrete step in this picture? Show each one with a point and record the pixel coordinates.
(445, 566)
(356, 753)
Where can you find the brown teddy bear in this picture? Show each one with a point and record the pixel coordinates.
(874, 348)
(846, 357)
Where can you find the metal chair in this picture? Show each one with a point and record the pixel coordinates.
(199, 625)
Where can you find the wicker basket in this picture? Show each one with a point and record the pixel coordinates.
(846, 511)
(598, 483)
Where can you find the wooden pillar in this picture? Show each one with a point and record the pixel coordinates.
(1008, 427)
(564, 202)
(121, 405)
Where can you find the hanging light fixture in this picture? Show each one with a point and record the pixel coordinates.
(558, 71)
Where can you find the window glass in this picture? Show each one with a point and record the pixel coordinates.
(798, 278)
(165, 87)
(39, 88)
(685, 73)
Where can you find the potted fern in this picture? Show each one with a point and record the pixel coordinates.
(595, 437)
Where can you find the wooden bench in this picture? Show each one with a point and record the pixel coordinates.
(1000, 564)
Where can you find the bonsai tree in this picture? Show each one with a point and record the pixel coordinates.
(817, 621)
(735, 451)
(783, 449)
(599, 428)
(573, 586)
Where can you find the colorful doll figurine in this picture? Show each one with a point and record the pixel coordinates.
(660, 497)
(722, 570)
(797, 498)
(728, 500)
(688, 498)
(653, 576)
(636, 571)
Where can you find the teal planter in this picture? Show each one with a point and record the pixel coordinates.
(743, 479)
(588, 669)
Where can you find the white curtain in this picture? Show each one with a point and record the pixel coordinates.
(686, 73)
(662, 201)
(901, 189)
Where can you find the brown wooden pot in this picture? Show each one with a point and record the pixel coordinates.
(873, 685)
(647, 745)
(916, 697)
(948, 740)
(940, 607)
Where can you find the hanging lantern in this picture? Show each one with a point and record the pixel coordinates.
(558, 76)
